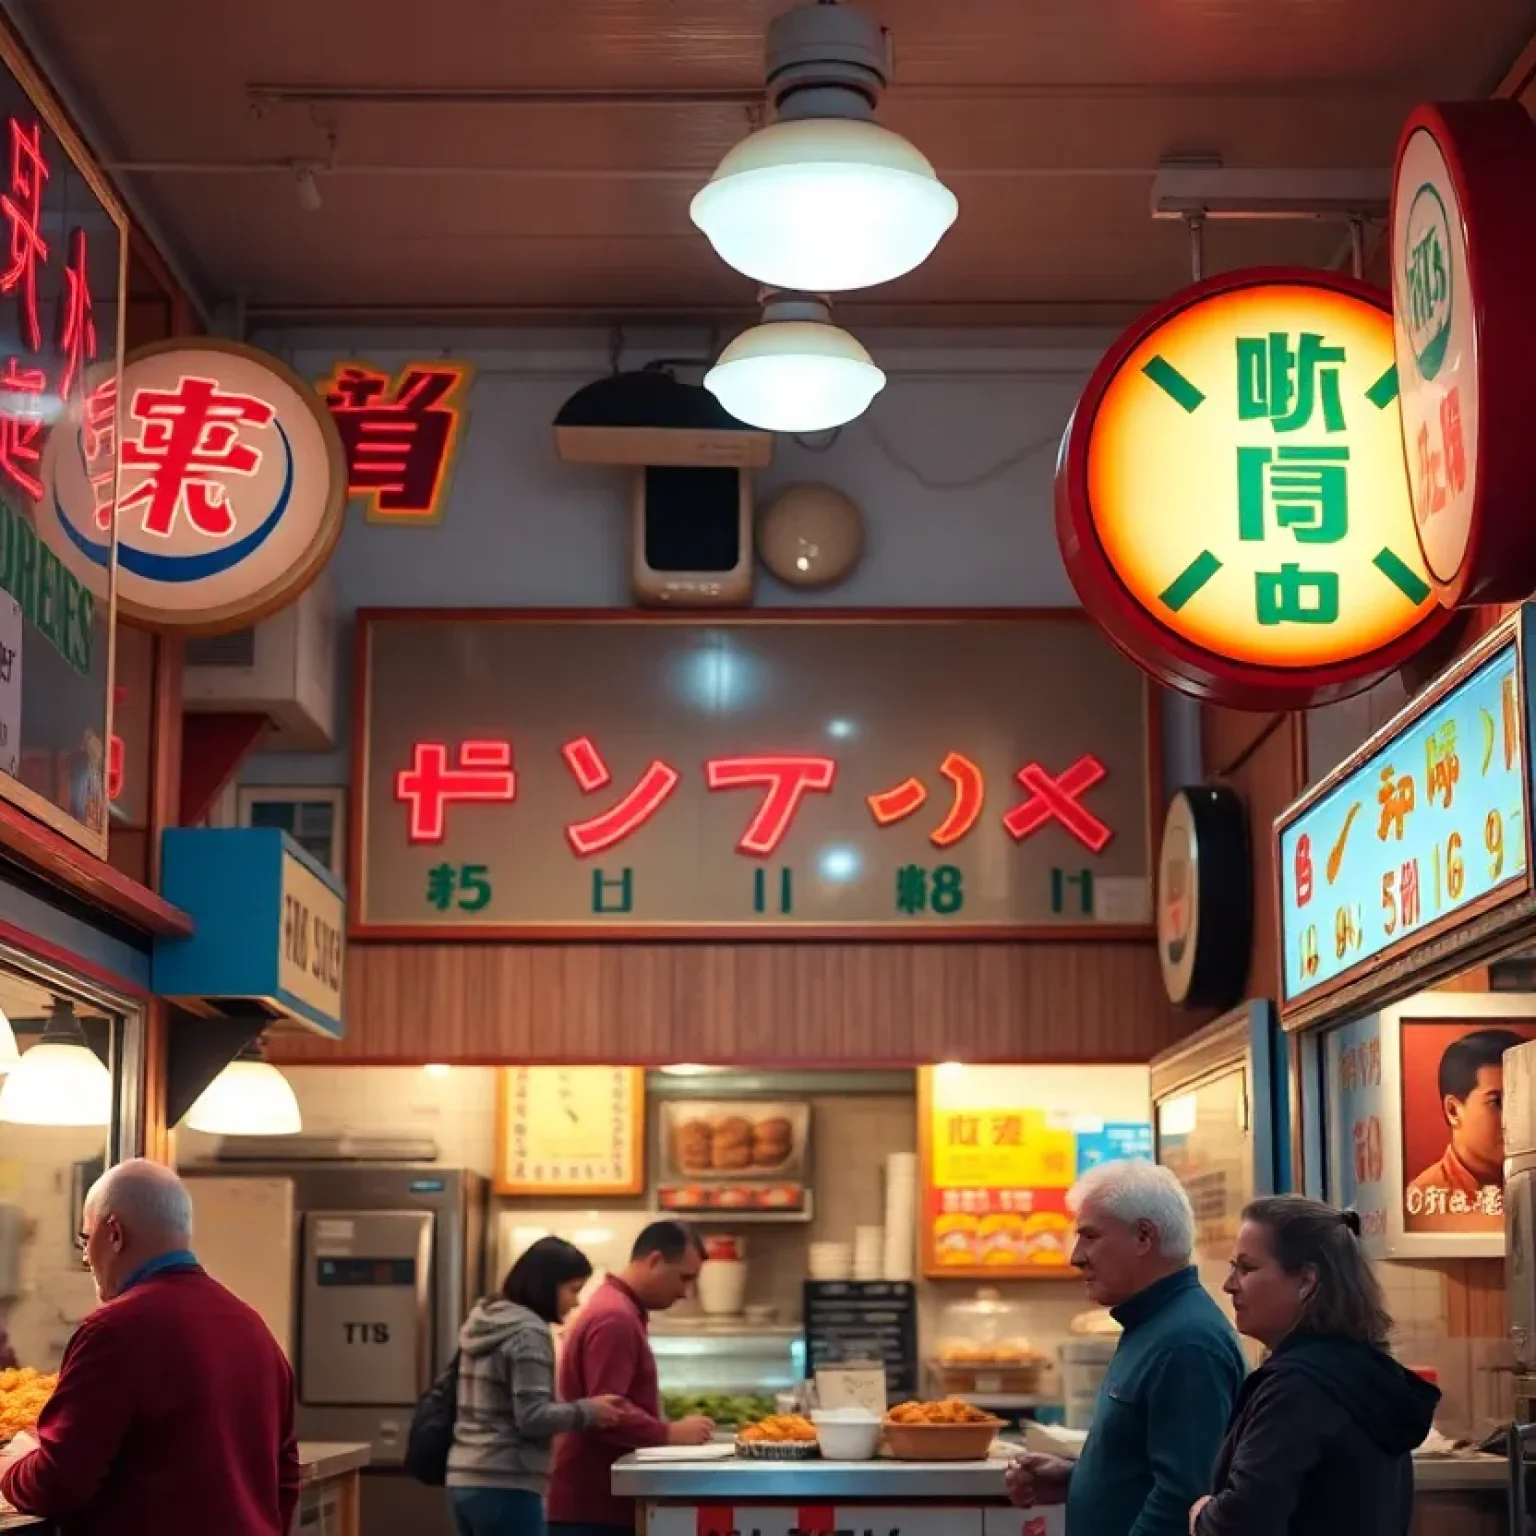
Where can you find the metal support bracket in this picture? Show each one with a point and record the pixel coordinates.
(1187, 190)
(199, 1049)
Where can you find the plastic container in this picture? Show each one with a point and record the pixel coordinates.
(1084, 1364)
(847, 1434)
(722, 1287)
(983, 1347)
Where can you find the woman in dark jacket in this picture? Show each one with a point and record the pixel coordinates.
(1323, 1432)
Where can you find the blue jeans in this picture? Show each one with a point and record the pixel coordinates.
(496, 1512)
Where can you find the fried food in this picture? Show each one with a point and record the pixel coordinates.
(695, 1142)
(732, 1150)
(949, 1410)
(23, 1394)
(780, 1429)
(772, 1142)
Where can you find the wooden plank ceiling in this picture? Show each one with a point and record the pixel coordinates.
(448, 189)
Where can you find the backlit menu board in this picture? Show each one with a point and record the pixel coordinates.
(1428, 829)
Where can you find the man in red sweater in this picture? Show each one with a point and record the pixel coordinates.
(174, 1409)
(608, 1351)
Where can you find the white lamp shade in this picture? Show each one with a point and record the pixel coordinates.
(795, 376)
(822, 205)
(248, 1098)
(57, 1084)
(9, 1054)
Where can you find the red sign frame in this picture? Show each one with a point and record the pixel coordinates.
(1168, 657)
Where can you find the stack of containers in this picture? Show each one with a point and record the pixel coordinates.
(831, 1261)
(869, 1253)
(900, 1215)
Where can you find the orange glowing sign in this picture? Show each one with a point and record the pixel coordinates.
(401, 432)
(1232, 499)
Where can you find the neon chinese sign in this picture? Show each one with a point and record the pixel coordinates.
(401, 434)
(1424, 830)
(1231, 500)
(610, 788)
(232, 486)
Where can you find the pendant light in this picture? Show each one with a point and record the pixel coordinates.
(60, 1080)
(250, 1097)
(796, 372)
(824, 199)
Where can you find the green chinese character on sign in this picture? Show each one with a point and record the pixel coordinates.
(1060, 883)
(474, 887)
(611, 894)
(912, 889)
(1307, 487)
(441, 881)
(1281, 384)
(1294, 596)
(1428, 278)
(948, 890)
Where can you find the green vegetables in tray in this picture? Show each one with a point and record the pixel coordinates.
(728, 1410)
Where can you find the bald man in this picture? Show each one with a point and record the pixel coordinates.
(174, 1409)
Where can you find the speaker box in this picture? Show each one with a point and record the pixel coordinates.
(691, 536)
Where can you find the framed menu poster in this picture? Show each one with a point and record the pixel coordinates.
(570, 1131)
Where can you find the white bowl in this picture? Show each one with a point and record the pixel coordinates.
(847, 1434)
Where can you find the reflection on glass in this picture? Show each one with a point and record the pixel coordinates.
(310, 823)
(45, 1172)
(1203, 1137)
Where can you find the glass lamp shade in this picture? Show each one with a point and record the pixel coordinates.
(249, 1097)
(57, 1083)
(823, 205)
(795, 376)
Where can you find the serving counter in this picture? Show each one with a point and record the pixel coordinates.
(1457, 1497)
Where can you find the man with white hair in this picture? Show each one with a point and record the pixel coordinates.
(1163, 1408)
(174, 1410)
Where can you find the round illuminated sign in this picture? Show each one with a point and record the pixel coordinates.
(1204, 902)
(227, 475)
(1231, 500)
(1464, 322)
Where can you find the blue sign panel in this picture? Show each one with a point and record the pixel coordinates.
(1427, 827)
(1116, 1141)
(270, 924)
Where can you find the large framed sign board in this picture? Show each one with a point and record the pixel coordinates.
(928, 775)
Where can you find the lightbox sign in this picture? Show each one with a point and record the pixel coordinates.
(63, 243)
(578, 775)
(1425, 830)
(1231, 498)
(231, 494)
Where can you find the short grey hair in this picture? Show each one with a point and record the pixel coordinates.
(148, 1199)
(1140, 1191)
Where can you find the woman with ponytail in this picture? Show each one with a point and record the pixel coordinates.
(1322, 1436)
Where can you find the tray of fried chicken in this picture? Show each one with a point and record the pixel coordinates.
(949, 1429)
(23, 1395)
(780, 1437)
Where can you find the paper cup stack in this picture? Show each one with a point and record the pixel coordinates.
(900, 1240)
(869, 1253)
(831, 1261)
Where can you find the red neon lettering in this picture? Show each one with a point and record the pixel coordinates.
(970, 795)
(787, 779)
(115, 756)
(483, 773)
(399, 442)
(23, 209)
(1056, 799)
(77, 324)
(189, 443)
(632, 811)
(21, 426)
(99, 439)
(889, 806)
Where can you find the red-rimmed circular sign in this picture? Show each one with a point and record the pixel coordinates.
(1464, 307)
(1231, 498)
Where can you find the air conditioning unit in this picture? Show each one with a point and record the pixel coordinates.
(284, 668)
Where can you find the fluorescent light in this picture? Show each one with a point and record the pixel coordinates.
(250, 1097)
(437, 1069)
(689, 1069)
(824, 205)
(796, 372)
(60, 1080)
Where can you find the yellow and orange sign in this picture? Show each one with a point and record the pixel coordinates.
(1232, 500)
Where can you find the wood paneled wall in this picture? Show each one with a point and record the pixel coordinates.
(805, 1004)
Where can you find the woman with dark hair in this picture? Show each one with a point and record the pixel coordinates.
(1322, 1436)
(507, 1416)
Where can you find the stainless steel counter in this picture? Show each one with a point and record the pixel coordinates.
(918, 1481)
(15, 1522)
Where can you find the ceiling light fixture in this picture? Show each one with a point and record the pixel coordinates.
(59, 1081)
(796, 372)
(824, 199)
(250, 1097)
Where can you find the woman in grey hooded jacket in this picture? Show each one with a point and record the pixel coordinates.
(507, 1416)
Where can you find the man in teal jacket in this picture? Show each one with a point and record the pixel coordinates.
(1165, 1402)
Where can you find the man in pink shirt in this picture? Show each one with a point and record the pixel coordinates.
(608, 1352)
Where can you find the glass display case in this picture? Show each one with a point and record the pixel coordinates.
(982, 1348)
(731, 1375)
